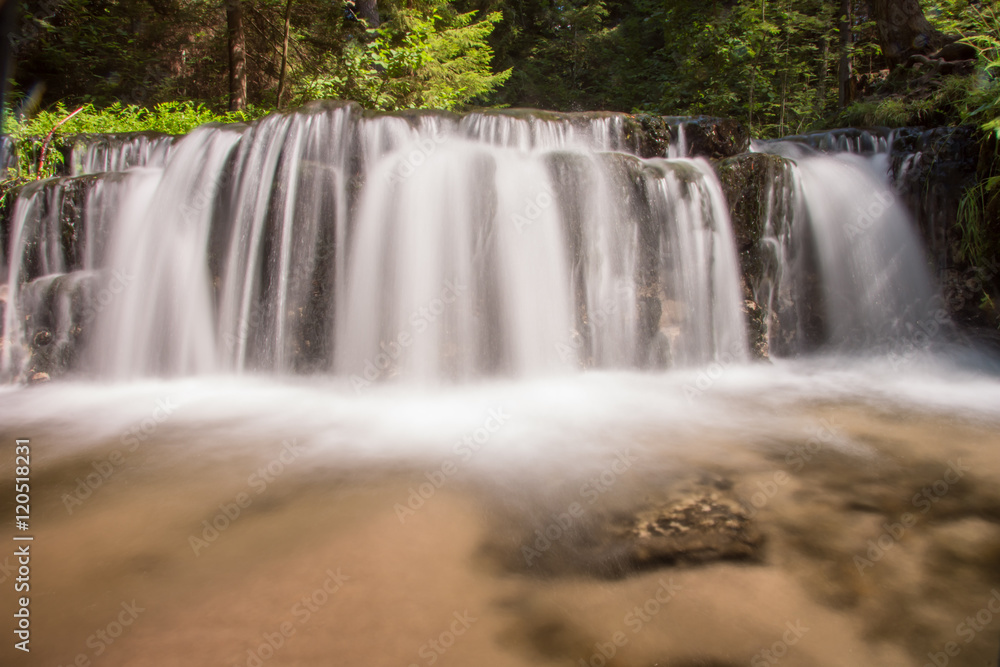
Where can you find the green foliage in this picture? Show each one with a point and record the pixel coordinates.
(975, 242)
(982, 30)
(425, 53)
(168, 117)
(769, 63)
(428, 57)
(133, 51)
(887, 112)
(979, 102)
(763, 62)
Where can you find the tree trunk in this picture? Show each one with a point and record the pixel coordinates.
(844, 74)
(284, 53)
(903, 30)
(368, 10)
(8, 24)
(237, 56)
(824, 66)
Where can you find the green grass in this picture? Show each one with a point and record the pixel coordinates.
(168, 117)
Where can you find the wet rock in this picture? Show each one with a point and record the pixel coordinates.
(931, 170)
(754, 184)
(38, 378)
(710, 137)
(650, 134)
(956, 51)
(699, 528)
(42, 338)
(745, 181)
(64, 213)
(60, 311)
(689, 523)
(8, 157)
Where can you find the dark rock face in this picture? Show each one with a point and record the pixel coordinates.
(714, 138)
(64, 225)
(783, 313)
(8, 155)
(931, 170)
(65, 208)
(651, 135)
(60, 312)
(744, 180)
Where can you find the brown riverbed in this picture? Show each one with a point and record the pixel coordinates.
(854, 532)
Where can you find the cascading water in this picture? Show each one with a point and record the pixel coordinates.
(94, 154)
(58, 240)
(427, 247)
(836, 221)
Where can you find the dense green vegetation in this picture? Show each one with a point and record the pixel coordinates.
(774, 64)
(780, 66)
(426, 53)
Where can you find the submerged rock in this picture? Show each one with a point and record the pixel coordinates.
(691, 523)
(699, 528)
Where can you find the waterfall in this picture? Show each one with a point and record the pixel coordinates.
(94, 154)
(431, 247)
(840, 241)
